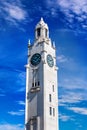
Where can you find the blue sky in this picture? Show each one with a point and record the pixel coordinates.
(67, 21)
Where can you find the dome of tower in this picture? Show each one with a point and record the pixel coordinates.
(41, 24)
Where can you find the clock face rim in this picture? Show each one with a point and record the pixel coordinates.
(35, 63)
(51, 64)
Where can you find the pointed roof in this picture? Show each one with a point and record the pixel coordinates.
(41, 23)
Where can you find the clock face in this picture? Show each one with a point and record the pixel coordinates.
(35, 59)
(50, 60)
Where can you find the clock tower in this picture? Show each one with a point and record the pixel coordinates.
(41, 82)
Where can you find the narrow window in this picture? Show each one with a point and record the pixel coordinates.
(45, 32)
(34, 125)
(38, 32)
(53, 111)
(53, 88)
(32, 84)
(50, 110)
(38, 83)
(50, 98)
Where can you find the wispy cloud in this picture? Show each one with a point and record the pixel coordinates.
(2, 92)
(79, 110)
(74, 83)
(17, 13)
(22, 89)
(21, 103)
(74, 6)
(16, 113)
(69, 98)
(11, 127)
(62, 58)
(74, 11)
(21, 78)
(12, 77)
(64, 117)
(13, 12)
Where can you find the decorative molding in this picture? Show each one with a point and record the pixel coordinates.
(34, 89)
(27, 66)
(33, 119)
(35, 68)
(43, 60)
(43, 51)
(56, 68)
(54, 57)
(29, 46)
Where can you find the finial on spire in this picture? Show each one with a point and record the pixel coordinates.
(41, 18)
(29, 42)
(54, 44)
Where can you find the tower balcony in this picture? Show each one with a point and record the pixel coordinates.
(35, 89)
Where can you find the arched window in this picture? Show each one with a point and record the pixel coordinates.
(38, 32)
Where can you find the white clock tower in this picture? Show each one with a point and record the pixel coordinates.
(41, 82)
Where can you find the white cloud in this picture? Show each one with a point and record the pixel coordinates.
(2, 92)
(72, 9)
(70, 63)
(70, 97)
(22, 89)
(16, 12)
(21, 78)
(13, 12)
(16, 113)
(84, 26)
(82, 111)
(74, 6)
(62, 58)
(53, 12)
(72, 83)
(21, 81)
(11, 127)
(64, 117)
(21, 103)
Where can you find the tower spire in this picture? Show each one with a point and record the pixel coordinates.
(29, 42)
(54, 44)
(42, 19)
